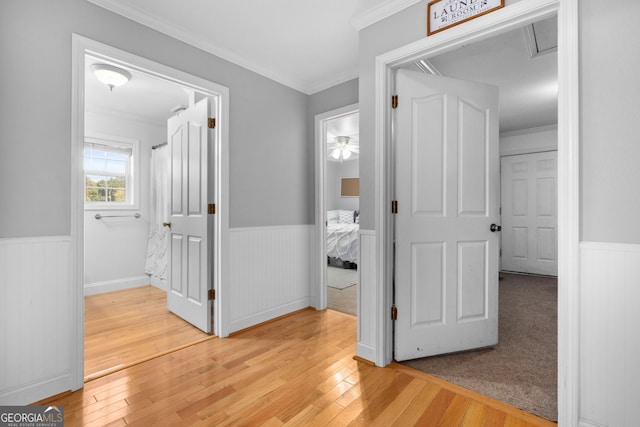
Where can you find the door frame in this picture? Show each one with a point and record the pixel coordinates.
(320, 294)
(508, 18)
(82, 46)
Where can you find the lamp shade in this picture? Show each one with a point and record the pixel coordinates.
(110, 75)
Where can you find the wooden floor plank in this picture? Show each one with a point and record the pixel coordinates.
(126, 327)
(297, 370)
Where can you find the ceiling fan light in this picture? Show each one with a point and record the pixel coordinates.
(110, 75)
(346, 154)
(335, 154)
(342, 140)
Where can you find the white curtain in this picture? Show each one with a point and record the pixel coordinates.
(156, 263)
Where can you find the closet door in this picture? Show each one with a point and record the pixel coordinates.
(529, 213)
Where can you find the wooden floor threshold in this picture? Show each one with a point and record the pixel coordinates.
(123, 366)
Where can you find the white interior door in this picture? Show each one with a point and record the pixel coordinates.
(189, 249)
(529, 213)
(447, 188)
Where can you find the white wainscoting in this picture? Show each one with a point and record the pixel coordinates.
(269, 273)
(35, 318)
(609, 334)
(366, 346)
(116, 285)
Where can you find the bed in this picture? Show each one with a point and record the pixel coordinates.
(342, 238)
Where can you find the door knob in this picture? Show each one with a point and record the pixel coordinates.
(166, 224)
(495, 227)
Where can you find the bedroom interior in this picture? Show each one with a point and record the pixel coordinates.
(342, 216)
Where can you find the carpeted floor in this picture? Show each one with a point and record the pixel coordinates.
(342, 290)
(341, 278)
(522, 369)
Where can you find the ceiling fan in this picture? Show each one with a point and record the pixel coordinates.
(342, 147)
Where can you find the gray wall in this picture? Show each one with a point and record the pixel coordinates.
(333, 181)
(609, 120)
(266, 119)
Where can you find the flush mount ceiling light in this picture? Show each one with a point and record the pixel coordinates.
(341, 149)
(110, 75)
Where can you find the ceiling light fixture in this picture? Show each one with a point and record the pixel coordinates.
(110, 75)
(341, 152)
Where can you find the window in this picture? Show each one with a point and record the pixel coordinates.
(109, 174)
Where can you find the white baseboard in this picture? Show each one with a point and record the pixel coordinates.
(116, 285)
(159, 283)
(366, 352)
(255, 319)
(31, 393)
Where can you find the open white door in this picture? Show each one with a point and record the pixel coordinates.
(189, 248)
(447, 189)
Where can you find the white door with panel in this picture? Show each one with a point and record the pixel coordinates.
(189, 249)
(447, 189)
(529, 213)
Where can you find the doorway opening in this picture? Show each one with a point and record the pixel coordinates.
(568, 174)
(338, 208)
(528, 120)
(111, 242)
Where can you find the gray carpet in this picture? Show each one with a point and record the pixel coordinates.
(341, 278)
(522, 369)
(342, 290)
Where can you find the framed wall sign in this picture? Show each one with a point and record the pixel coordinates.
(442, 14)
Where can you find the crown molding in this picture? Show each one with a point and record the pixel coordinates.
(155, 23)
(327, 84)
(380, 12)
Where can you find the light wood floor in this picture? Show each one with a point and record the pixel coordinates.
(126, 327)
(296, 370)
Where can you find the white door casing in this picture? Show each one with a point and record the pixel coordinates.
(529, 213)
(447, 188)
(189, 249)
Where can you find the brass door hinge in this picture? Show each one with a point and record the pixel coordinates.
(211, 294)
(394, 206)
(212, 208)
(394, 101)
(394, 312)
(211, 122)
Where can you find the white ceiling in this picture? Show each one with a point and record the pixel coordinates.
(142, 98)
(528, 85)
(308, 45)
(313, 45)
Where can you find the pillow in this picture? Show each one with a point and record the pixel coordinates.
(345, 217)
(332, 217)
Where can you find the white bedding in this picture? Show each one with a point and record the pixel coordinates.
(342, 241)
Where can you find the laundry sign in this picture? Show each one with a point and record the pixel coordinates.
(443, 14)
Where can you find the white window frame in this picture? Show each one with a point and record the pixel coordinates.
(132, 175)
